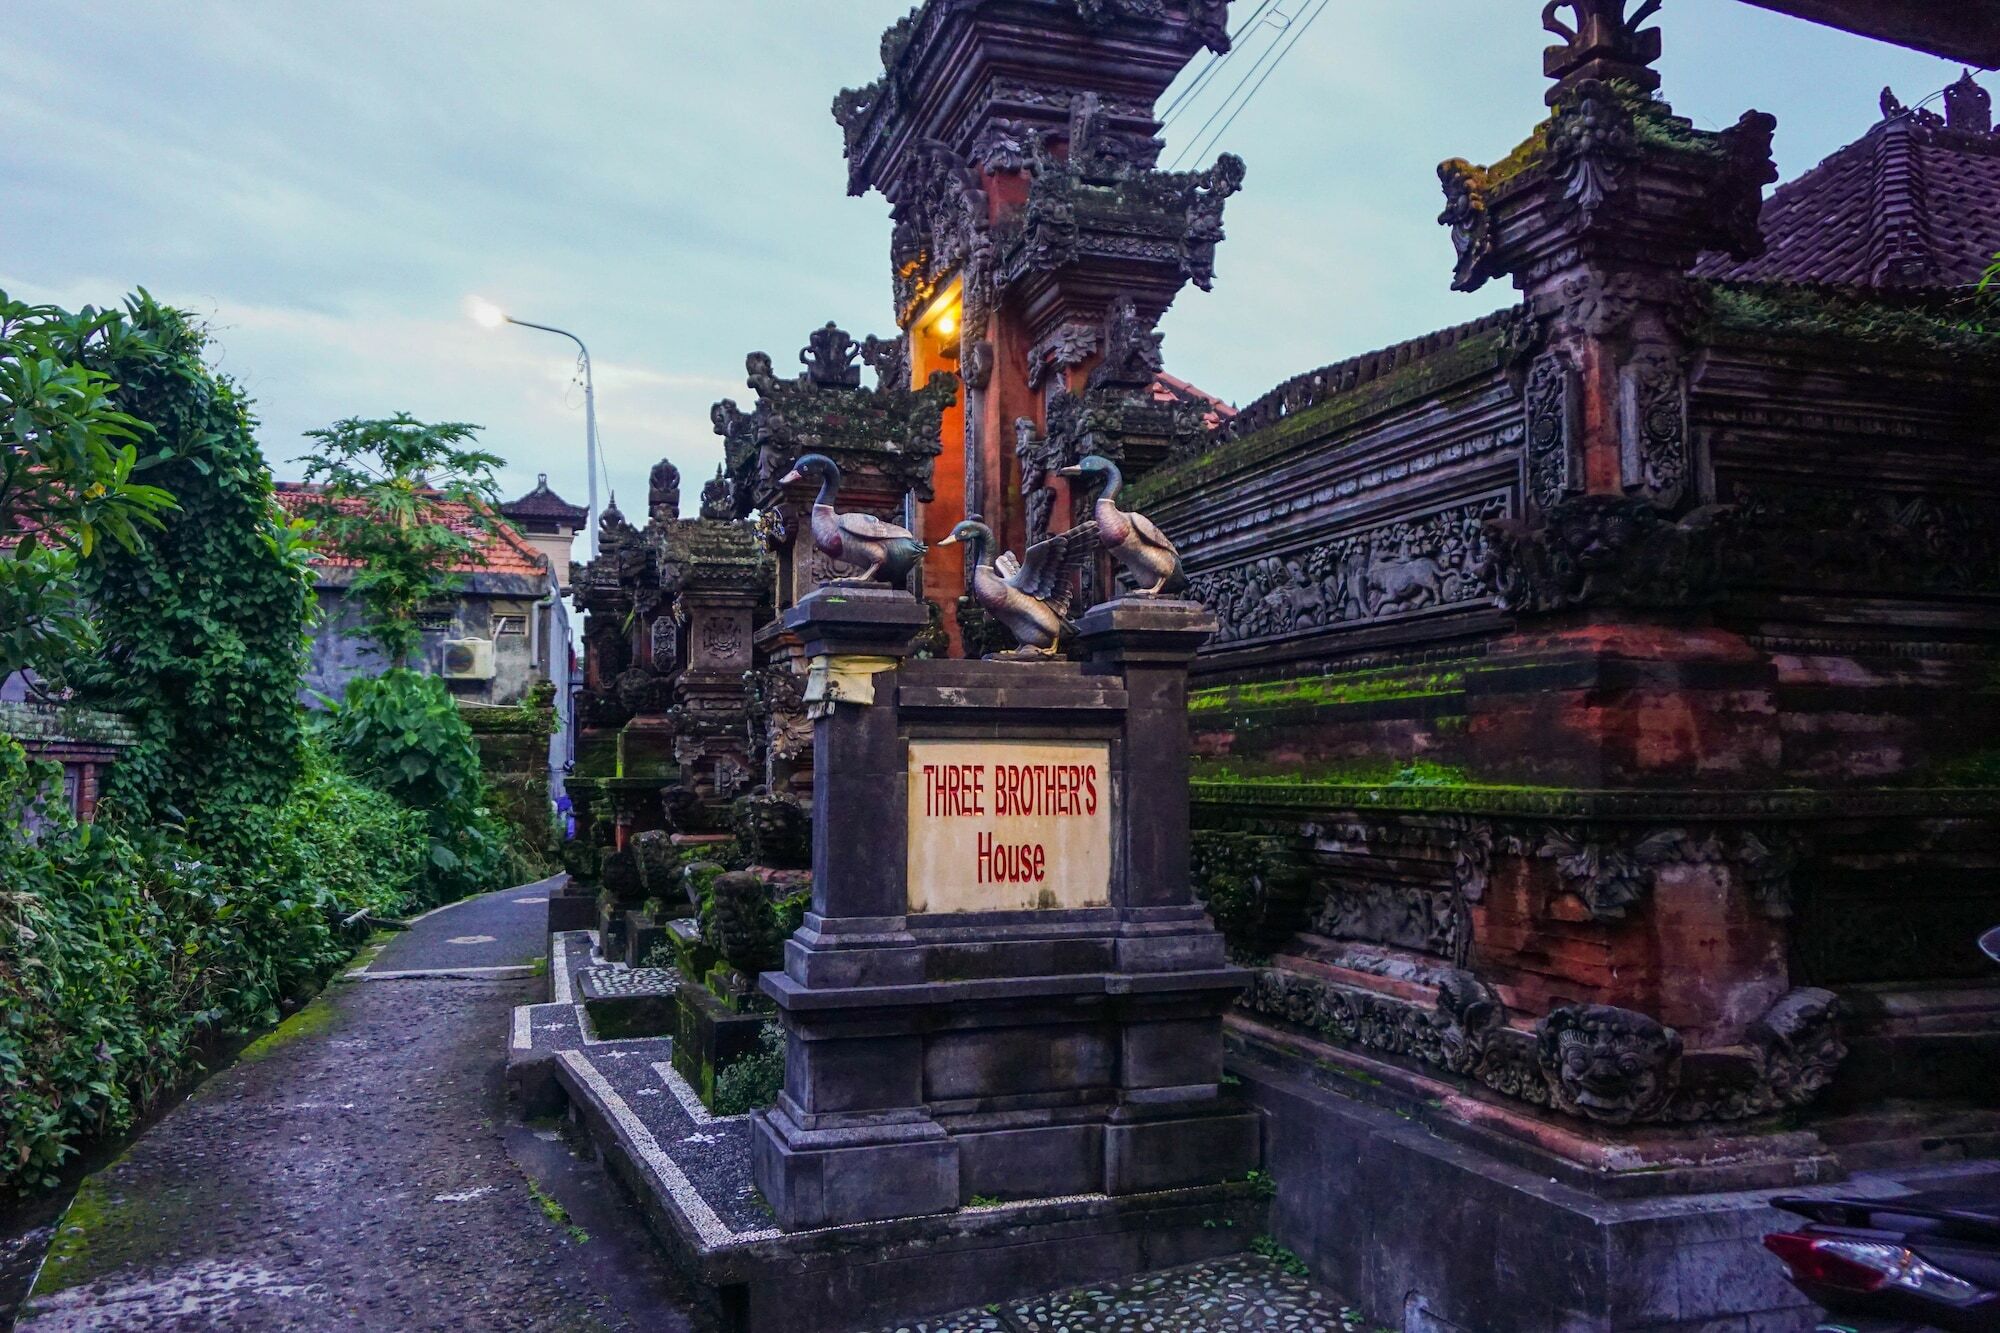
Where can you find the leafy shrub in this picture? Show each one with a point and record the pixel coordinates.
(1253, 887)
(401, 733)
(755, 1080)
(203, 618)
(121, 944)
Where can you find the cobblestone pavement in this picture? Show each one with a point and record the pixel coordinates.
(358, 1169)
(1245, 1294)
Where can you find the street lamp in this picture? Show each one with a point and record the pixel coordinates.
(490, 316)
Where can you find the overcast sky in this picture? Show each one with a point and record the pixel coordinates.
(326, 183)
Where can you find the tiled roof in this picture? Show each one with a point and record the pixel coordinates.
(544, 503)
(501, 549)
(1914, 202)
(1170, 389)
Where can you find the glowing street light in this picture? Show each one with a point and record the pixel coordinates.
(489, 316)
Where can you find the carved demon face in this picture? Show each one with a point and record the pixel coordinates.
(1607, 1064)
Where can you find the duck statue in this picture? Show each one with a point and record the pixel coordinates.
(1132, 538)
(882, 551)
(1030, 597)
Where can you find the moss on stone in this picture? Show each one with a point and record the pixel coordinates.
(1818, 313)
(1980, 769)
(1324, 691)
(1388, 772)
(310, 1021)
(102, 1229)
(1421, 378)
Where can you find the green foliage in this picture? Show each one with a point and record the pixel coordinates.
(1923, 322)
(1267, 1247)
(121, 945)
(401, 733)
(381, 484)
(202, 619)
(68, 469)
(755, 1080)
(1252, 885)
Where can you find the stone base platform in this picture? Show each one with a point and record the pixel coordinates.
(689, 1172)
(1430, 1232)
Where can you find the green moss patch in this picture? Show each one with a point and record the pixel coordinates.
(1423, 377)
(1938, 323)
(103, 1229)
(310, 1021)
(1352, 687)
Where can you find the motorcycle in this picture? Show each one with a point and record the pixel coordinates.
(1924, 1261)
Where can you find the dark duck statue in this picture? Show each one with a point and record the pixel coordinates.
(1132, 538)
(882, 551)
(1030, 597)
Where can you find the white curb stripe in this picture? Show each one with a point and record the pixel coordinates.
(711, 1228)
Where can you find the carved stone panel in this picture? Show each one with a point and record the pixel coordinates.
(1418, 564)
(1652, 426)
(1553, 468)
(719, 639)
(1402, 916)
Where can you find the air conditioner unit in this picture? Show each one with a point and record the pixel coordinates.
(468, 659)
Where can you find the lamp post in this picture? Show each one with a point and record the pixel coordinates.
(491, 316)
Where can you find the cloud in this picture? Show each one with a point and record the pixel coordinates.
(326, 183)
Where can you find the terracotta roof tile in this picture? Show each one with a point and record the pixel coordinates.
(502, 550)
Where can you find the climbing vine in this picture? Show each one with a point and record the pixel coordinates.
(202, 620)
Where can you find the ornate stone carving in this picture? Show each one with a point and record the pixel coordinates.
(1403, 916)
(976, 365)
(829, 357)
(1602, 41)
(1552, 464)
(718, 501)
(1422, 563)
(1607, 1064)
(1652, 425)
(1465, 214)
(1601, 551)
(1592, 141)
(1071, 344)
(665, 645)
(1860, 539)
(890, 429)
(1596, 1062)
(1799, 1038)
(663, 490)
(1132, 355)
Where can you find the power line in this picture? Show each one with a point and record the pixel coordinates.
(1295, 39)
(1214, 65)
(1280, 22)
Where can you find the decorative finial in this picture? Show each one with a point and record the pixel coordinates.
(1968, 107)
(718, 500)
(1604, 43)
(829, 358)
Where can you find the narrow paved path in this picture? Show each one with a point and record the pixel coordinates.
(359, 1169)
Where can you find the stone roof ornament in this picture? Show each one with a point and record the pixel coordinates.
(829, 358)
(718, 503)
(1968, 107)
(1603, 42)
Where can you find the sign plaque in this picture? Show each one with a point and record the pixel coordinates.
(1005, 826)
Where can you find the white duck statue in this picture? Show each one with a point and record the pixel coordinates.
(1134, 541)
(1030, 597)
(882, 551)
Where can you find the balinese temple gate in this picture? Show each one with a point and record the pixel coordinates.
(1579, 723)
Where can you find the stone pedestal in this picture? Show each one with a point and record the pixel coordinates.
(1021, 1037)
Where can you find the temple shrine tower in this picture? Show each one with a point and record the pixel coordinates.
(1036, 241)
